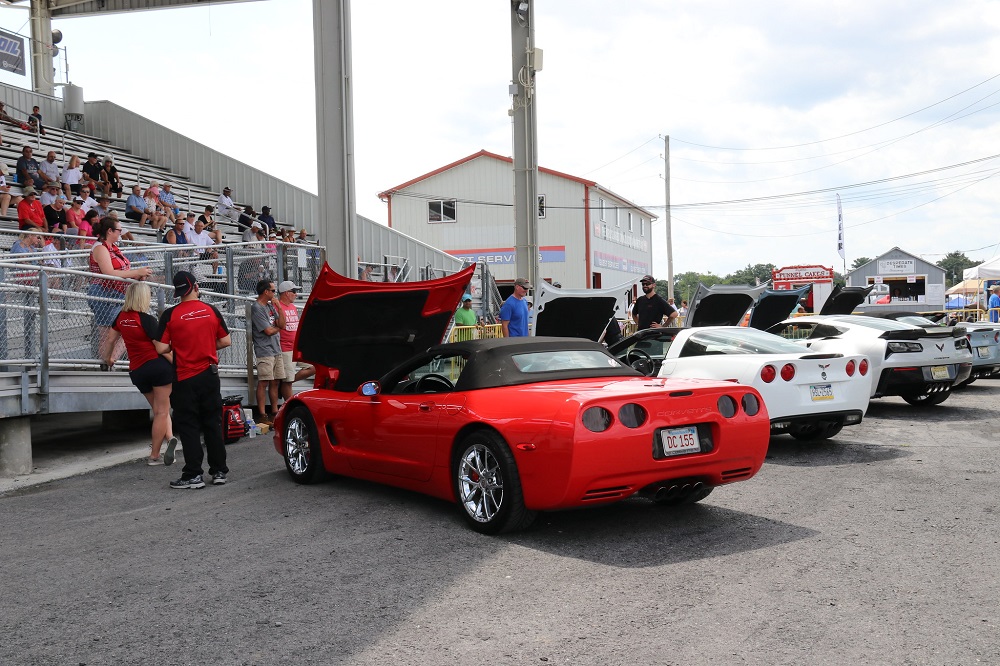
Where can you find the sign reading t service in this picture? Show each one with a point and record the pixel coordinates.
(12, 53)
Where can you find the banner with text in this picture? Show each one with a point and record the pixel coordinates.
(12, 53)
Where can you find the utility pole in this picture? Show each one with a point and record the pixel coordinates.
(40, 18)
(666, 217)
(526, 60)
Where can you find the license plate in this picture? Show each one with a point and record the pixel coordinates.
(983, 352)
(676, 441)
(821, 391)
(940, 372)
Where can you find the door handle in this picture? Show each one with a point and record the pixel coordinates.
(426, 406)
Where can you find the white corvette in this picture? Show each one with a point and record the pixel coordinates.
(809, 395)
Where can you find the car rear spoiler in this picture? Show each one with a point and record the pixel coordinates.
(917, 333)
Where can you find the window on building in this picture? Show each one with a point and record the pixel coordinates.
(541, 206)
(441, 211)
(600, 205)
(630, 220)
(642, 226)
(618, 217)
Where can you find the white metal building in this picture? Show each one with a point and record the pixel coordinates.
(587, 236)
(903, 281)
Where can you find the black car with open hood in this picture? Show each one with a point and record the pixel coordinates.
(843, 300)
(774, 305)
(721, 304)
(577, 313)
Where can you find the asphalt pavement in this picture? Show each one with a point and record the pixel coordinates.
(880, 546)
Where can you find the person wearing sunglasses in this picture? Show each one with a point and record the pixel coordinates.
(651, 308)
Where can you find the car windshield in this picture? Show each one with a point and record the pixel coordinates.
(740, 341)
(574, 359)
(872, 322)
(917, 320)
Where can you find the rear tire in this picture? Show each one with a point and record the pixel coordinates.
(926, 399)
(488, 486)
(812, 432)
(301, 448)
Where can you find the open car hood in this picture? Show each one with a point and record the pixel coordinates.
(577, 313)
(774, 305)
(843, 300)
(364, 329)
(721, 305)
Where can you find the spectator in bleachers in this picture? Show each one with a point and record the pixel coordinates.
(104, 295)
(90, 221)
(210, 225)
(37, 117)
(253, 233)
(151, 372)
(109, 176)
(247, 218)
(29, 211)
(4, 116)
(71, 176)
(268, 219)
(225, 207)
(75, 213)
(27, 169)
(89, 202)
(176, 236)
(103, 205)
(91, 178)
(169, 203)
(135, 207)
(49, 193)
(49, 170)
(55, 215)
(199, 236)
(155, 210)
(6, 198)
(28, 242)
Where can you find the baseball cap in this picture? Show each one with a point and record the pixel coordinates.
(265, 210)
(29, 191)
(467, 297)
(91, 155)
(256, 225)
(190, 215)
(226, 189)
(522, 282)
(648, 278)
(288, 285)
(184, 283)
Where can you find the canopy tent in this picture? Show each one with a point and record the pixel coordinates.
(966, 287)
(988, 270)
(957, 302)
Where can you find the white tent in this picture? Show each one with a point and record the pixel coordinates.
(988, 270)
(966, 287)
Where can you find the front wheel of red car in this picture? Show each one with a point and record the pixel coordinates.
(300, 444)
(488, 486)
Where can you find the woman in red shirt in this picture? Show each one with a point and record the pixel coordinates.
(150, 372)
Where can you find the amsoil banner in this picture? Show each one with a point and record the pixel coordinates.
(12, 53)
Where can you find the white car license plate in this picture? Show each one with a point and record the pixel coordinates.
(983, 352)
(939, 372)
(676, 441)
(821, 391)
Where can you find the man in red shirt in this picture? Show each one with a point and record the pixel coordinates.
(30, 211)
(287, 291)
(195, 331)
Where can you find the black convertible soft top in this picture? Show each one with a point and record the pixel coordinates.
(489, 362)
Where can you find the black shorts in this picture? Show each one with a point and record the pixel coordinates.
(132, 215)
(157, 372)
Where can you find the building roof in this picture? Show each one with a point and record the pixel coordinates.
(485, 153)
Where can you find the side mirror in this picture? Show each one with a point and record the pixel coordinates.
(369, 389)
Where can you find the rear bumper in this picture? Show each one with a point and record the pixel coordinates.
(844, 417)
(917, 380)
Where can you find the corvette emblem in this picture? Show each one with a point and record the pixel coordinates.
(939, 346)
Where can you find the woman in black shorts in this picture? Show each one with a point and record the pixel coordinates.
(150, 372)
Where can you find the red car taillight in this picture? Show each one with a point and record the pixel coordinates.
(788, 372)
(996, 337)
(850, 368)
(768, 373)
(863, 367)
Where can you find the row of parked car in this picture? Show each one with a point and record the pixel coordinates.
(506, 428)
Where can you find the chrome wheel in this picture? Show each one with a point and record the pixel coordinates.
(480, 483)
(297, 445)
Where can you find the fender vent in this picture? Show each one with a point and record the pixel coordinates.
(608, 493)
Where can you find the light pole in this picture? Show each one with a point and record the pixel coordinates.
(526, 60)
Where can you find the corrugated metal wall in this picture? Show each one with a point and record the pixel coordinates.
(291, 205)
(19, 102)
(376, 241)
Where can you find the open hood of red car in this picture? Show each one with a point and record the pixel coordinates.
(364, 329)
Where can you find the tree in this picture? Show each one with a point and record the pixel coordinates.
(686, 284)
(751, 274)
(859, 262)
(954, 264)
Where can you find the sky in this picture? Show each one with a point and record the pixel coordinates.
(772, 108)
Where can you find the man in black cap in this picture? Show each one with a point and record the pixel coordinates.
(268, 220)
(195, 331)
(650, 308)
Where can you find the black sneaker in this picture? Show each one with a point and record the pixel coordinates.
(219, 478)
(196, 482)
(168, 456)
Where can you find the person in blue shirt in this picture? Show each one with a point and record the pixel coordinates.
(514, 311)
(135, 206)
(994, 303)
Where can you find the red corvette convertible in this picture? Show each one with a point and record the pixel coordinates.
(504, 428)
